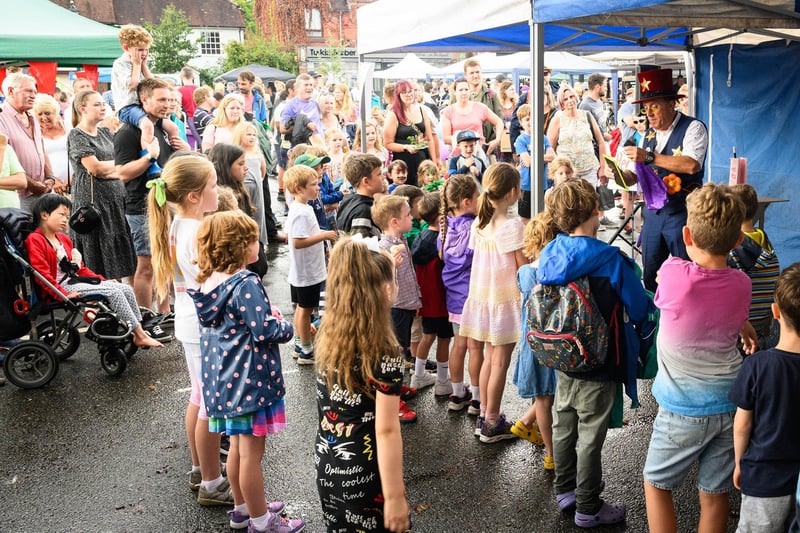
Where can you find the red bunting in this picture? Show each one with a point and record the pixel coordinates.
(45, 74)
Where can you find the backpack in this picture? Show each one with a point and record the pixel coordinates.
(566, 330)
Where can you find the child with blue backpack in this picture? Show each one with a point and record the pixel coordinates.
(583, 400)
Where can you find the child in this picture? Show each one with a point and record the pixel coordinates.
(364, 172)
(393, 215)
(756, 258)
(459, 207)
(242, 380)
(559, 170)
(522, 147)
(398, 174)
(467, 162)
(534, 380)
(359, 379)
(52, 254)
(765, 432)
(704, 305)
(336, 151)
(428, 267)
(374, 144)
(190, 184)
(128, 70)
(583, 400)
(414, 194)
(428, 175)
(325, 206)
(307, 270)
(230, 164)
(491, 312)
(246, 137)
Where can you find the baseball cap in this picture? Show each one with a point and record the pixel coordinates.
(308, 160)
(467, 135)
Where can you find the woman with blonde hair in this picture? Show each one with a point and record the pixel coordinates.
(54, 135)
(230, 114)
(345, 109)
(108, 249)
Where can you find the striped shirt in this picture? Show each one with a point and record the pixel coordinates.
(29, 150)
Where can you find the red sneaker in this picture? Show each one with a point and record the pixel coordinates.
(408, 393)
(407, 416)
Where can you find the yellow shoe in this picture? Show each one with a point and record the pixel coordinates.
(530, 434)
(549, 463)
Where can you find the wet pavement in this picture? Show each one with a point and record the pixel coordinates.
(94, 453)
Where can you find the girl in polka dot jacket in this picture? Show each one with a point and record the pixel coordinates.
(243, 386)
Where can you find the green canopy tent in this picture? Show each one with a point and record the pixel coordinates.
(39, 30)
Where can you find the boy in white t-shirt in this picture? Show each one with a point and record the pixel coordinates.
(307, 271)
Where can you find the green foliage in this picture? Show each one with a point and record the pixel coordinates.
(208, 75)
(172, 48)
(259, 50)
(246, 7)
(332, 66)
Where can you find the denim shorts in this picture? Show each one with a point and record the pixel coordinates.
(678, 441)
(131, 114)
(139, 233)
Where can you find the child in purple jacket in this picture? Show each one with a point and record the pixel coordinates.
(459, 208)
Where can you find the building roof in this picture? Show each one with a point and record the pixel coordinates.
(201, 13)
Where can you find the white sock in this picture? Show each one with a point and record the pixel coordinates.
(476, 392)
(195, 468)
(260, 522)
(442, 371)
(241, 509)
(458, 389)
(419, 366)
(210, 486)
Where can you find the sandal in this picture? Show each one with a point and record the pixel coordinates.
(566, 500)
(609, 513)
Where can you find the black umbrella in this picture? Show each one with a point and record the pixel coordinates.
(262, 71)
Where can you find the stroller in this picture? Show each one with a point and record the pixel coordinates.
(33, 362)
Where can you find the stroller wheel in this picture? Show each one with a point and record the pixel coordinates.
(113, 361)
(30, 365)
(69, 342)
(130, 348)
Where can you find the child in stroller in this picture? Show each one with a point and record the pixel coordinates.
(51, 253)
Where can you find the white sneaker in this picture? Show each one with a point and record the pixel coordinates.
(420, 382)
(443, 388)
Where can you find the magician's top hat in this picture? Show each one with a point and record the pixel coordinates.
(655, 84)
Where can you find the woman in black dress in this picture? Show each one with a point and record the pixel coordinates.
(407, 132)
(108, 249)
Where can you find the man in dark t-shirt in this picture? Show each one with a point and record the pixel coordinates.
(132, 164)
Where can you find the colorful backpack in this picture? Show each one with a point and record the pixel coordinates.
(566, 330)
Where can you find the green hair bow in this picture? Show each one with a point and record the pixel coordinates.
(161, 190)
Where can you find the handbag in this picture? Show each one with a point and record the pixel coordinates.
(87, 218)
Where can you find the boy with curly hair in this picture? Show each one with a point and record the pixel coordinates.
(128, 70)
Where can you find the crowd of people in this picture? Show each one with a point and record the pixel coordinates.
(414, 227)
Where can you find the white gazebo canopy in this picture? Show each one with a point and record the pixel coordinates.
(410, 67)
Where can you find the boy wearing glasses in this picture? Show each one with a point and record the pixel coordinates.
(674, 143)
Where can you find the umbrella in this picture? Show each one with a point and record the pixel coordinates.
(262, 71)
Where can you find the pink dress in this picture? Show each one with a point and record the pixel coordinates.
(491, 312)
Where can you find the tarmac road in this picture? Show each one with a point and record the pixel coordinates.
(94, 453)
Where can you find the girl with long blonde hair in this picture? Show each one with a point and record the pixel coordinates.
(189, 183)
(491, 312)
(359, 382)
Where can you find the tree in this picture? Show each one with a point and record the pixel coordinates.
(171, 49)
(258, 49)
(246, 7)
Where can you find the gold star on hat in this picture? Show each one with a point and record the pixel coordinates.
(645, 85)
